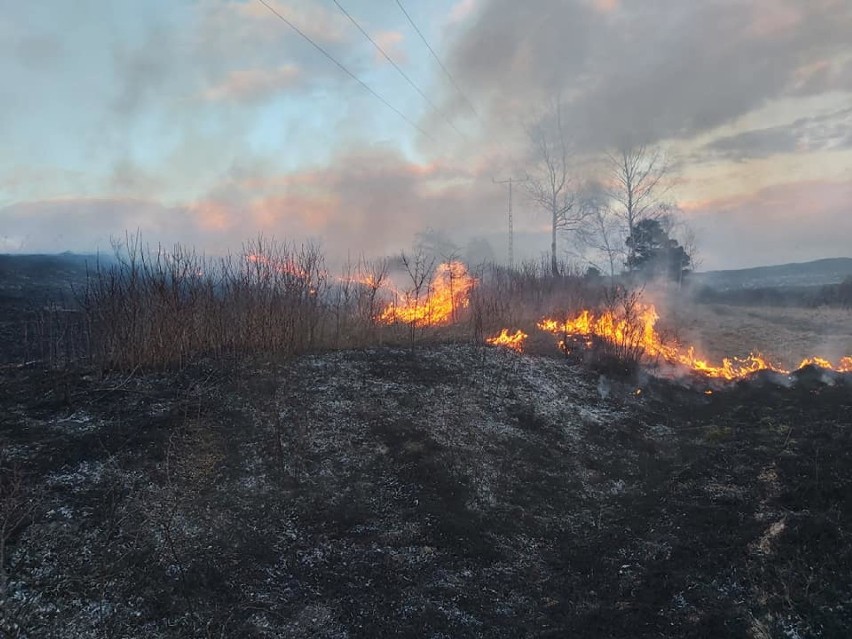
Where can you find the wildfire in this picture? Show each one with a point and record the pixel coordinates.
(515, 342)
(446, 295)
(283, 266)
(636, 333)
(369, 281)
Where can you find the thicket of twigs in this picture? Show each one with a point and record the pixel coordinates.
(155, 308)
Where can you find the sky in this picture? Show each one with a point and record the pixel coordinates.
(208, 122)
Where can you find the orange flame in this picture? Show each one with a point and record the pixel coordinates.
(368, 280)
(638, 334)
(515, 342)
(284, 266)
(815, 361)
(448, 293)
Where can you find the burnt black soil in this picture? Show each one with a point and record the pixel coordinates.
(449, 491)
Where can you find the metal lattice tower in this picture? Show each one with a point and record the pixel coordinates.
(510, 181)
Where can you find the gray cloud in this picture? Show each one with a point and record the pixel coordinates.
(229, 51)
(87, 224)
(793, 222)
(828, 131)
(644, 70)
(371, 200)
(759, 143)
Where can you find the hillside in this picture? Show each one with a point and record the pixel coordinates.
(806, 274)
(35, 278)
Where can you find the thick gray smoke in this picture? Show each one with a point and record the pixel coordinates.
(158, 134)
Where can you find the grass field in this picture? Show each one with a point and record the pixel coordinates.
(785, 335)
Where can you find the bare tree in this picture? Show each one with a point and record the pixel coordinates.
(636, 185)
(602, 234)
(549, 185)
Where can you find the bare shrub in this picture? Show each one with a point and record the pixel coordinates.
(159, 308)
(623, 350)
(521, 297)
(163, 308)
(356, 303)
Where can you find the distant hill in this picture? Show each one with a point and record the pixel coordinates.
(45, 265)
(806, 274)
(36, 277)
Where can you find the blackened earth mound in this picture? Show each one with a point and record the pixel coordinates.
(450, 491)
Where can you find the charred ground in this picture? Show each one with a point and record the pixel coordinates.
(444, 491)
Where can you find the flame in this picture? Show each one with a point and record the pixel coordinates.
(369, 280)
(815, 361)
(515, 342)
(284, 266)
(637, 333)
(446, 295)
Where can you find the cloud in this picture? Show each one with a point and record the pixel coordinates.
(88, 224)
(772, 18)
(823, 75)
(824, 132)
(757, 143)
(642, 71)
(606, 6)
(244, 85)
(793, 222)
(315, 21)
(371, 200)
(391, 42)
(462, 10)
(227, 50)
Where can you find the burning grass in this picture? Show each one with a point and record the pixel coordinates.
(166, 308)
(444, 298)
(514, 341)
(635, 331)
(159, 309)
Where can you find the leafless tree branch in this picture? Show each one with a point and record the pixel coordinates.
(549, 184)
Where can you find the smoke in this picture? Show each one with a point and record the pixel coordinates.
(644, 72)
(210, 122)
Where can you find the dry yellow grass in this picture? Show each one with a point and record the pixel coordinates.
(785, 335)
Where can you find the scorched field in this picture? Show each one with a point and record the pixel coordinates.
(437, 488)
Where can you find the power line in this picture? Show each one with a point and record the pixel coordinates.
(438, 60)
(397, 67)
(345, 70)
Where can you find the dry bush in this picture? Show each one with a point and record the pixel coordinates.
(163, 308)
(521, 297)
(356, 300)
(158, 308)
(54, 333)
(623, 352)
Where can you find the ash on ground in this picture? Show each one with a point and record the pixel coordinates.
(446, 491)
